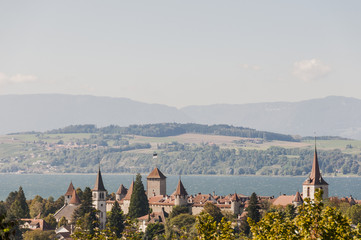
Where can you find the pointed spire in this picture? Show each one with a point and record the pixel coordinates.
(121, 190)
(156, 173)
(130, 191)
(315, 177)
(180, 191)
(74, 199)
(298, 198)
(70, 190)
(99, 186)
(235, 197)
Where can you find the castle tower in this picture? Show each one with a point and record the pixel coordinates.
(235, 204)
(156, 183)
(297, 201)
(315, 181)
(126, 199)
(74, 199)
(69, 193)
(120, 194)
(99, 196)
(180, 195)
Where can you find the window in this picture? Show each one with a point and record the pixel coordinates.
(308, 191)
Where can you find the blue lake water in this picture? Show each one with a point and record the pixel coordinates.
(56, 185)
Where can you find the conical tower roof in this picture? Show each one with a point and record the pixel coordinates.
(99, 186)
(235, 197)
(130, 191)
(70, 190)
(74, 198)
(121, 190)
(298, 197)
(180, 191)
(315, 177)
(156, 173)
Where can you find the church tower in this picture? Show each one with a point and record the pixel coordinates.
(99, 197)
(180, 195)
(315, 181)
(68, 194)
(156, 183)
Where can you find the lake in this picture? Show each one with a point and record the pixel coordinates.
(56, 185)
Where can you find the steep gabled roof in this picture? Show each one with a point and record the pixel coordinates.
(70, 190)
(74, 198)
(298, 198)
(130, 191)
(99, 186)
(180, 191)
(156, 173)
(235, 197)
(121, 190)
(315, 177)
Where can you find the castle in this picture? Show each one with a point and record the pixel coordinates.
(162, 204)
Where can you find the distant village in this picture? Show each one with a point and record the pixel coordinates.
(161, 204)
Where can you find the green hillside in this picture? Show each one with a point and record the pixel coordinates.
(213, 152)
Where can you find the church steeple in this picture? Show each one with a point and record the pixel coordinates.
(315, 180)
(99, 186)
(315, 176)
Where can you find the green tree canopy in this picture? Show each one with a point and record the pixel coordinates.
(116, 219)
(214, 211)
(139, 205)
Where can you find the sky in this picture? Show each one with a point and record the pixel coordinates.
(182, 53)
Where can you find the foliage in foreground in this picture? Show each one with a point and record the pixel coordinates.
(314, 221)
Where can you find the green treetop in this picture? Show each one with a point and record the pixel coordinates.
(139, 205)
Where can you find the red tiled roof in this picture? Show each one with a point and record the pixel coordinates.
(74, 198)
(235, 198)
(70, 190)
(181, 191)
(284, 200)
(156, 173)
(129, 193)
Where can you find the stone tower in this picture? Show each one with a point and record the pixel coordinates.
(99, 197)
(68, 194)
(156, 183)
(315, 181)
(235, 204)
(180, 195)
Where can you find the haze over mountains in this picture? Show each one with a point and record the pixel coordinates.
(337, 116)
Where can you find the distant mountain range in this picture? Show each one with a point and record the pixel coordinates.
(334, 116)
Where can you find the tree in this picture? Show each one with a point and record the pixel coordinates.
(209, 229)
(354, 213)
(19, 208)
(139, 205)
(181, 225)
(154, 229)
(8, 228)
(214, 211)
(51, 221)
(116, 220)
(85, 216)
(178, 210)
(314, 221)
(253, 208)
(62, 222)
(38, 235)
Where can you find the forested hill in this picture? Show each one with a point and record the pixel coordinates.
(174, 129)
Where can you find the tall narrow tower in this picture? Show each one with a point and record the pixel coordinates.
(99, 196)
(156, 183)
(315, 181)
(180, 195)
(69, 193)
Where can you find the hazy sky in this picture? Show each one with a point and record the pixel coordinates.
(182, 52)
